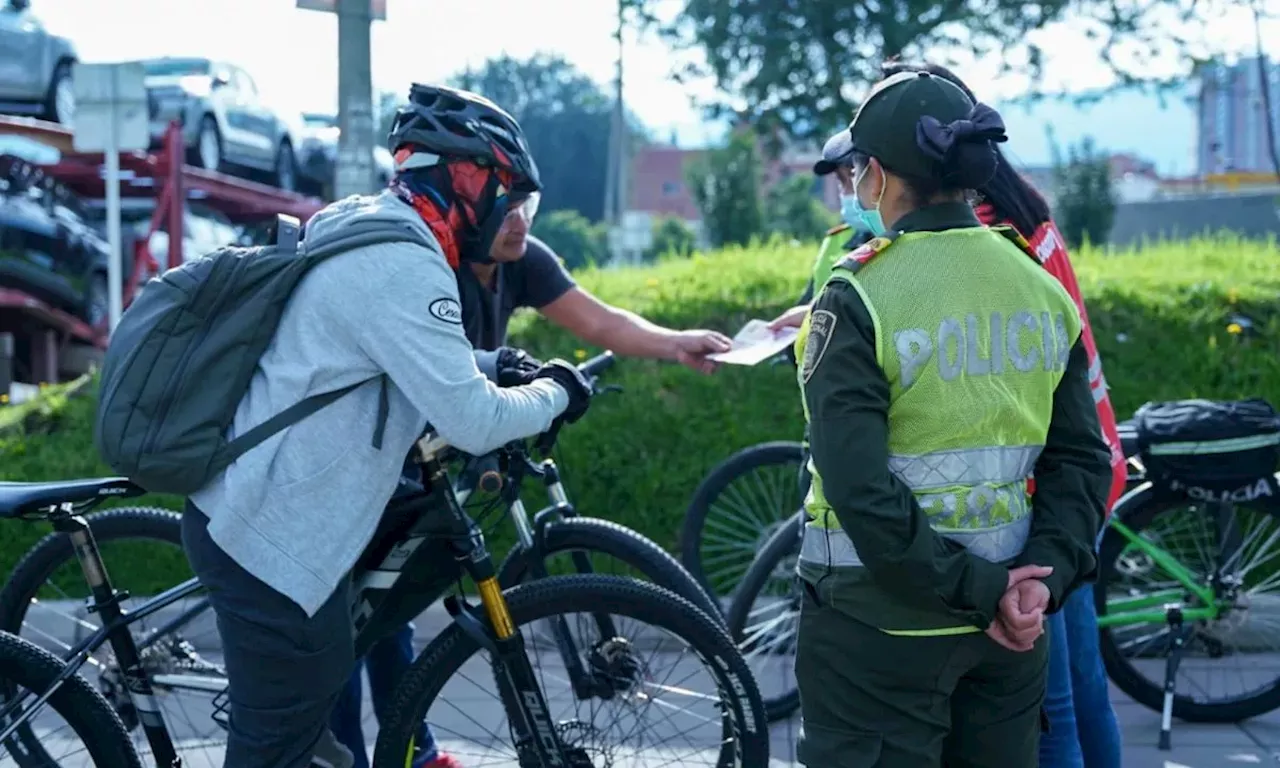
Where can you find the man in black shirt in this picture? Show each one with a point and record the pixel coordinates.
(523, 272)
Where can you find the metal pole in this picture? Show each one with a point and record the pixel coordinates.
(115, 277)
(355, 167)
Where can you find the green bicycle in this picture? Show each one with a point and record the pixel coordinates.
(1188, 588)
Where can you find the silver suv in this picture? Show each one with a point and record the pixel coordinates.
(224, 120)
(35, 66)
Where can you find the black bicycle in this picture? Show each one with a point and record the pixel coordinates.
(426, 543)
(43, 598)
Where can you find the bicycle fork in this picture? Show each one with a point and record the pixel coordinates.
(537, 742)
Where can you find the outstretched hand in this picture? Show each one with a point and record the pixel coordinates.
(1020, 620)
(692, 348)
(792, 318)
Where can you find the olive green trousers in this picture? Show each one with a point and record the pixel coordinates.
(874, 700)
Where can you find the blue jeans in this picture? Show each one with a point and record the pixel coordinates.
(1060, 747)
(1095, 719)
(386, 662)
(1083, 727)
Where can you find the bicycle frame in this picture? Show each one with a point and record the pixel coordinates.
(1154, 607)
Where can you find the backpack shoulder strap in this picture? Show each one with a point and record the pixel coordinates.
(364, 231)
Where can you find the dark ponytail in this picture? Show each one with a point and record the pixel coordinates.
(1014, 199)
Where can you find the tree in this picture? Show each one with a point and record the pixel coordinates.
(672, 235)
(566, 118)
(802, 66)
(1085, 200)
(579, 242)
(725, 184)
(792, 210)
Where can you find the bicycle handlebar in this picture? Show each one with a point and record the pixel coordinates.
(597, 365)
(483, 472)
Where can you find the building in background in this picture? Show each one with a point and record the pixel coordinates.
(1232, 134)
(658, 188)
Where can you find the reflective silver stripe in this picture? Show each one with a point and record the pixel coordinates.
(823, 546)
(974, 508)
(995, 465)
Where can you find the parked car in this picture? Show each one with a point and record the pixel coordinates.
(318, 155)
(35, 66)
(225, 122)
(47, 248)
(204, 229)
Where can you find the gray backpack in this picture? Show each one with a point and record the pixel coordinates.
(181, 358)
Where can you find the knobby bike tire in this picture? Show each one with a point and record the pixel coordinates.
(721, 476)
(591, 534)
(1138, 509)
(55, 550)
(557, 595)
(784, 543)
(89, 715)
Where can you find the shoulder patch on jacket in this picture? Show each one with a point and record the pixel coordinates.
(821, 323)
(1013, 236)
(837, 229)
(858, 257)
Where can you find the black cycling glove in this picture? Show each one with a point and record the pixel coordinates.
(516, 367)
(573, 383)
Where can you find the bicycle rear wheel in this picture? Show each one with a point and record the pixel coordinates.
(730, 712)
(27, 673)
(1228, 672)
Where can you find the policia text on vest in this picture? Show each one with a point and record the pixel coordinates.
(979, 346)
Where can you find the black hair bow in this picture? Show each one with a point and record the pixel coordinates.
(938, 141)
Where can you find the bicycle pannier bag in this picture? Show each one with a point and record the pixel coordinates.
(1209, 445)
(182, 356)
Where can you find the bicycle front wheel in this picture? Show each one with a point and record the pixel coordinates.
(95, 736)
(764, 619)
(735, 510)
(706, 685)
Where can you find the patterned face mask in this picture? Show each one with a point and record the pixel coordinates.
(462, 202)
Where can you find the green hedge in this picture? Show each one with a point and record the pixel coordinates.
(1162, 316)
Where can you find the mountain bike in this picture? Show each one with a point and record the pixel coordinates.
(425, 545)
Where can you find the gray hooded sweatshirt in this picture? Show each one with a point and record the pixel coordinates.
(297, 510)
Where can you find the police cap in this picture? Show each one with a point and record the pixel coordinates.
(885, 126)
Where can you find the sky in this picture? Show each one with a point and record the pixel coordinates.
(292, 55)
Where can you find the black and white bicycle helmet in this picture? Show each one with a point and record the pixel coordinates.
(453, 123)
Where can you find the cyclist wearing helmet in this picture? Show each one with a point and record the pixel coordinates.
(274, 537)
(520, 271)
(942, 368)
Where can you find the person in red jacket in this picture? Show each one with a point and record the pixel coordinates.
(1083, 728)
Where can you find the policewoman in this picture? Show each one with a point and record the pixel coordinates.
(942, 368)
